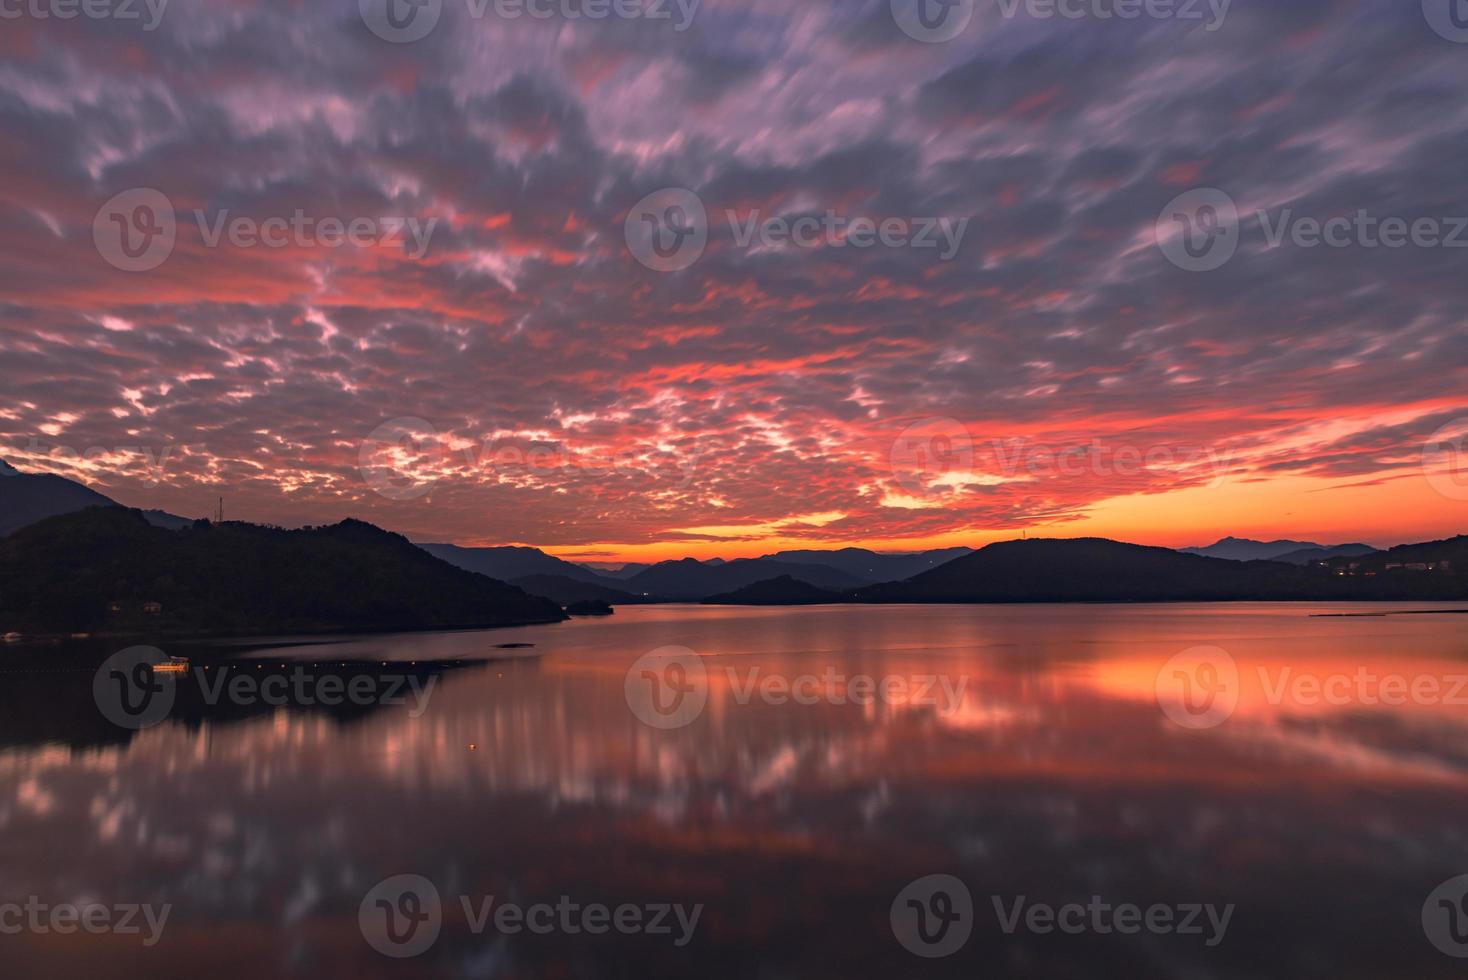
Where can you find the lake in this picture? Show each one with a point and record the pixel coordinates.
(1249, 790)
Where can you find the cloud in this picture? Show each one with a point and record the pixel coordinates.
(760, 384)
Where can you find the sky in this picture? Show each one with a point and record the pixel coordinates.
(727, 277)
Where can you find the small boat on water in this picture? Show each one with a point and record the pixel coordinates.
(13, 637)
(173, 665)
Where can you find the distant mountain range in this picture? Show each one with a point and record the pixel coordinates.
(692, 580)
(1293, 552)
(105, 568)
(870, 566)
(1099, 570)
(510, 563)
(219, 576)
(687, 579)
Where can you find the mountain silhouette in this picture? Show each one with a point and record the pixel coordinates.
(26, 498)
(1246, 549)
(872, 566)
(691, 579)
(1099, 570)
(782, 591)
(509, 563)
(66, 573)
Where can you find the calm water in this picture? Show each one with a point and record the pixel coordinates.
(1045, 768)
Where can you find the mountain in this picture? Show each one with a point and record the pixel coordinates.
(1244, 549)
(1307, 555)
(568, 590)
(508, 564)
(1453, 552)
(26, 498)
(1089, 570)
(64, 574)
(872, 566)
(614, 570)
(692, 579)
(1098, 570)
(782, 591)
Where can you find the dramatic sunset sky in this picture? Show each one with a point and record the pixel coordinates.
(764, 397)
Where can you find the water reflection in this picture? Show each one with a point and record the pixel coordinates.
(1054, 775)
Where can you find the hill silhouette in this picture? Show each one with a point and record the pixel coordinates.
(691, 579)
(1099, 570)
(64, 573)
(26, 498)
(782, 591)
